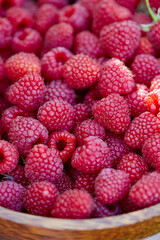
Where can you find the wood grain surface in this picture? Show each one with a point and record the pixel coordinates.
(132, 226)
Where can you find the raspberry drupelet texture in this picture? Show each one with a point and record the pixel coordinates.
(27, 92)
(59, 35)
(43, 164)
(57, 115)
(140, 129)
(111, 185)
(53, 61)
(145, 68)
(5, 33)
(89, 128)
(146, 192)
(82, 112)
(20, 64)
(8, 157)
(145, 47)
(134, 165)
(142, 18)
(12, 195)
(130, 4)
(64, 183)
(115, 78)
(76, 15)
(27, 40)
(155, 84)
(25, 132)
(18, 175)
(91, 157)
(63, 143)
(81, 71)
(126, 33)
(57, 3)
(73, 204)
(154, 36)
(86, 182)
(152, 100)
(58, 90)
(151, 149)
(112, 113)
(40, 198)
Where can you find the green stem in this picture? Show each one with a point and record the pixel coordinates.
(151, 12)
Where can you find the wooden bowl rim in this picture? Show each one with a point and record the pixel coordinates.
(87, 224)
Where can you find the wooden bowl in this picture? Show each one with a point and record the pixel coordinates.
(131, 226)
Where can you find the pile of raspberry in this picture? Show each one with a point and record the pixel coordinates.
(79, 107)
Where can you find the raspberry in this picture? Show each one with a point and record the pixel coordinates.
(134, 165)
(53, 61)
(4, 104)
(43, 164)
(31, 7)
(18, 175)
(117, 146)
(8, 157)
(150, 150)
(152, 101)
(64, 183)
(20, 18)
(40, 197)
(76, 15)
(12, 195)
(140, 129)
(135, 100)
(131, 4)
(89, 5)
(107, 12)
(126, 33)
(5, 4)
(1, 69)
(146, 192)
(87, 43)
(59, 35)
(85, 182)
(155, 84)
(5, 33)
(27, 40)
(89, 128)
(145, 68)
(145, 47)
(74, 204)
(57, 115)
(20, 64)
(82, 112)
(81, 71)
(57, 3)
(127, 205)
(63, 143)
(92, 96)
(115, 78)
(111, 185)
(26, 132)
(142, 18)
(154, 36)
(46, 16)
(112, 112)
(58, 90)
(154, 4)
(93, 156)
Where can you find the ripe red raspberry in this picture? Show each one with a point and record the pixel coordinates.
(115, 78)
(86, 182)
(63, 143)
(53, 61)
(18, 175)
(154, 36)
(46, 16)
(89, 128)
(28, 92)
(152, 101)
(76, 15)
(20, 18)
(145, 47)
(26, 132)
(155, 84)
(112, 185)
(87, 43)
(31, 7)
(64, 183)
(59, 35)
(140, 129)
(57, 3)
(8, 157)
(126, 33)
(58, 90)
(40, 197)
(134, 165)
(145, 68)
(12, 195)
(4, 104)
(82, 112)
(57, 115)
(89, 5)
(112, 113)
(81, 71)
(130, 4)
(20, 64)
(93, 156)
(5, 33)
(92, 96)
(43, 164)
(142, 18)
(146, 192)
(74, 204)
(117, 146)
(1, 69)
(127, 205)
(27, 40)
(135, 100)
